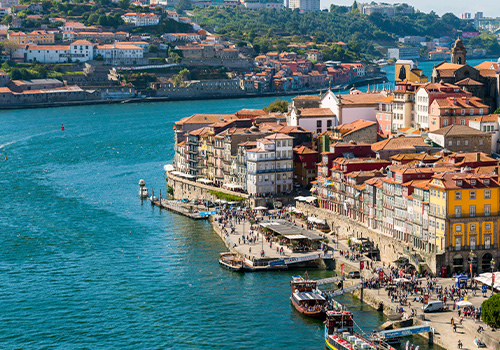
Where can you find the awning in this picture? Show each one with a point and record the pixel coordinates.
(189, 176)
(300, 198)
(304, 296)
(310, 199)
(231, 186)
(168, 167)
(290, 237)
(315, 220)
(203, 180)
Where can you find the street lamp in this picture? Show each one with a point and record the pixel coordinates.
(472, 256)
(492, 262)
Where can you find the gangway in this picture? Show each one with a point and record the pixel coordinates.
(337, 292)
(328, 280)
(403, 332)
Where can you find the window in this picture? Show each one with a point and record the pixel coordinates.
(318, 123)
(481, 142)
(466, 142)
(487, 227)
(328, 123)
(473, 227)
(472, 242)
(487, 242)
(318, 131)
(450, 143)
(487, 193)
(472, 211)
(458, 228)
(458, 211)
(458, 195)
(472, 195)
(463, 111)
(462, 122)
(487, 210)
(473, 183)
(458, 143)
(458, 243)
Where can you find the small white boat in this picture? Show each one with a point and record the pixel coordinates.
(143, 192)
(153, 198)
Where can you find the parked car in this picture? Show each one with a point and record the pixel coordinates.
(433, 306)
(353, 274)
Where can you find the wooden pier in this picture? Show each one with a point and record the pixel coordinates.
(186, 209)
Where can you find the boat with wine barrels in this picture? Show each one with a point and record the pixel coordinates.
(340, 335)
(307, 298)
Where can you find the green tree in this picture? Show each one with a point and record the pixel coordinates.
(9, 47)
(277, 106)
(103, 20)
(490, 311)
(15, 74)
(124, 4)
(497, 111)
(153, 48)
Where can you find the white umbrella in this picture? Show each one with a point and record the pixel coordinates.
(464, 303)
(401, 280)
(260, 208)
(300, 198)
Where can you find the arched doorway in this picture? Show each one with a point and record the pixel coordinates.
(458, 263)
(486, 262)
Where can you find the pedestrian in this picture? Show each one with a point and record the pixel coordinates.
(459, 344)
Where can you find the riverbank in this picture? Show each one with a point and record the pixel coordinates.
(358, 83)
(443, 335)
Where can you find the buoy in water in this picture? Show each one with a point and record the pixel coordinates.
(62, 127)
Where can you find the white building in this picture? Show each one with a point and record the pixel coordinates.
(71, 26)
(141, 19)
(317, 120)
(270, 165)
(120, 52)
(352, 107)
(304, 5)
(81, 50)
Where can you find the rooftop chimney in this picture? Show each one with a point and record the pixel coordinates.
(478, 157)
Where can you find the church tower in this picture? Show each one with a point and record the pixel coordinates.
(458, 52)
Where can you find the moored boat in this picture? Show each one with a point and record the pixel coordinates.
(307, 299)
(232, 261)
(340, 335)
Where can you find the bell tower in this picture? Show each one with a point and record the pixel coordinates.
(458, 52)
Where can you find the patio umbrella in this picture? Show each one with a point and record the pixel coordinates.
(464, 303)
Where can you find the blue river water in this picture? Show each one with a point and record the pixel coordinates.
(85, 265)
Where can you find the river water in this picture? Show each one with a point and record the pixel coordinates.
(84, 264)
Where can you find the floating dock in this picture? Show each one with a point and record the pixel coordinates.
(186, 209)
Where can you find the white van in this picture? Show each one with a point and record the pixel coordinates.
(433, 306)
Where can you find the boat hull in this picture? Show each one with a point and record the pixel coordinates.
(237, 268)
(313, 314)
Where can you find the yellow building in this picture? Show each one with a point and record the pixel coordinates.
(464, 216)
(406, 71)
(35, 37)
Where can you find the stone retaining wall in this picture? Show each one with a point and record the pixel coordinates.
(192, 190)
(390, 248)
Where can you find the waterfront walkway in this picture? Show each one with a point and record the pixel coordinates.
(444, 335)
(254, 243)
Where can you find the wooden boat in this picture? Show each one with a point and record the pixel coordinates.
(307, 299)
(340, 335)
(232, 261)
